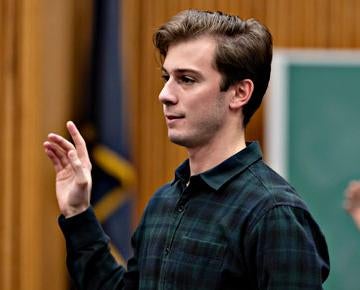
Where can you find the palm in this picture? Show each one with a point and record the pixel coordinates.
(69, 190)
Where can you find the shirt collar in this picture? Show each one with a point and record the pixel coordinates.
(220, 174)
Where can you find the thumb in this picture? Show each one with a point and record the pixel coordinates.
(77, 167)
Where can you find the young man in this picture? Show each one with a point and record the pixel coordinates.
(227, 221)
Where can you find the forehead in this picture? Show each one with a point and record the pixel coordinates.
(197, 54)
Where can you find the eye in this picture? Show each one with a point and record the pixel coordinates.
(165, 77)
(187, 80)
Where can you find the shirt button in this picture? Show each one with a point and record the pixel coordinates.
(180, 208)
(167, 251)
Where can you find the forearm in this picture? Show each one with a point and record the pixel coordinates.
(89, 260)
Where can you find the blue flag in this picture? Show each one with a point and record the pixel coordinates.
(105, 131)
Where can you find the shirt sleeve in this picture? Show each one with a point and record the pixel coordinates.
(89, 261)
(289, 249)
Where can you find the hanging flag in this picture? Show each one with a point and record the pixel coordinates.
(105, 130)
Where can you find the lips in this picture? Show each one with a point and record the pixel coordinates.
(172, 118)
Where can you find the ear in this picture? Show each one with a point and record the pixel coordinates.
(242, 92)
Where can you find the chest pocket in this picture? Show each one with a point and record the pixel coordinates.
(201, 252)
(197, 264)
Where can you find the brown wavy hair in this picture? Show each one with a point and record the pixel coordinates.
(244, 48)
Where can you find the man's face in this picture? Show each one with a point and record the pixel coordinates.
(195, 110)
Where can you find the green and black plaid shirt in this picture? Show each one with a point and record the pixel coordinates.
(236, 226)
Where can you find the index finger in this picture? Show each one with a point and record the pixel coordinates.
(79, 141)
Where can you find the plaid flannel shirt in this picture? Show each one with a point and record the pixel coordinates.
(236, 226)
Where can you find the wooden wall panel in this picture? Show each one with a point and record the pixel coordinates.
(8, 241)
(28, 146)
(59, 74)
(36, 90)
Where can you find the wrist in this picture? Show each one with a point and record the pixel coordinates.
(73, 211)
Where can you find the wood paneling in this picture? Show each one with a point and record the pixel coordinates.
(8, 241)
(36, 91)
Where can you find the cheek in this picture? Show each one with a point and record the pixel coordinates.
(205, 95)
(209, 110)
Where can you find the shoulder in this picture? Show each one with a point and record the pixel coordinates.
(261, 190)
(279, 203)
(273, 187)
(261, 185)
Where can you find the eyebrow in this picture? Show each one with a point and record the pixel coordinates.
(184, 70)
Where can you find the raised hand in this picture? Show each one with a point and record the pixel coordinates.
(352, 201)
(73, 171)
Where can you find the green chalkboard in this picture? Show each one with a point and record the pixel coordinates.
(323, 115)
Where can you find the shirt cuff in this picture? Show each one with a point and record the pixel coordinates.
(82, 230)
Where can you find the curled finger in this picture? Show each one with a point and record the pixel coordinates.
(54, 159)
(59, 152)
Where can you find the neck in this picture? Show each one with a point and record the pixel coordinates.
(206, 157)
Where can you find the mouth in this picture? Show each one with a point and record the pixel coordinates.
(171, 118)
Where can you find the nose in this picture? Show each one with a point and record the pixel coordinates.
(168, 95)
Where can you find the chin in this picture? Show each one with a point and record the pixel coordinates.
(179, 140)
(184, 141)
